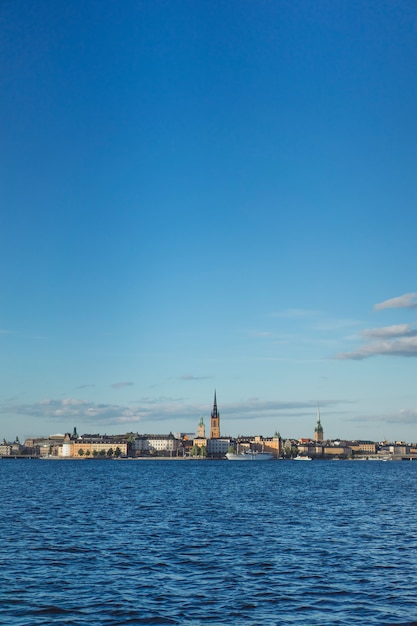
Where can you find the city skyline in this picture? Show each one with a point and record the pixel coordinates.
(213, 425)
(208, 196)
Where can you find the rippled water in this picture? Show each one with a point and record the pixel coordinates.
(201, 542)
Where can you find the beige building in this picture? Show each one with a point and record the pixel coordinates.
(363, 447)
(200, 442)
(273, 445)
(90, 449)
(156, 444)
(337, 451)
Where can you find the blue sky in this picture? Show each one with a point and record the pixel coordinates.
(208, 195)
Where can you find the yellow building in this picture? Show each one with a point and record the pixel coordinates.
(91, 449)
(267, 444)
(200, 442)
(363, 447)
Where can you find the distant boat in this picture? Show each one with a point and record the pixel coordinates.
(302, 458)
(250, 455)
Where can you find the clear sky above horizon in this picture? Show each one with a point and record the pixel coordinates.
(204, 195)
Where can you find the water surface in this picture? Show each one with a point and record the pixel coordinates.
(207, 542)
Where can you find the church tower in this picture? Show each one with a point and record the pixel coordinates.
(201, 430)
(215, 421)
(318, 431)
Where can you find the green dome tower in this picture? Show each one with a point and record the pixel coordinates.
(318, 431)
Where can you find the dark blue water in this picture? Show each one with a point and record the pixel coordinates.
(174, 542)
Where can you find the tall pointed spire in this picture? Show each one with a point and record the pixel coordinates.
(215, 420)
(318, 431)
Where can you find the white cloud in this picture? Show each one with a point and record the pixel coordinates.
(394, 340)
(73, 408)
(397, 330)
(407, 416)
(254, 407)
(404, 416)
(121, 385)
(403, 346)
(406, 301)
(156, 410)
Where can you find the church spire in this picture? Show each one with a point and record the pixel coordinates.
(201, 431)
(318, 431)
(215, 420)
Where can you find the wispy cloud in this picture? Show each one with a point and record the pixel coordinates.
(121, 385)
(192, 377)
(397, 330)
(86, 386)
(329, 324)
(403, 346)
(159, 400)
(403, 416)
(80, 410)
(395, 340)
(253, 408)
(407, 416)
(162, 409)
(406, 301)
(262, 334)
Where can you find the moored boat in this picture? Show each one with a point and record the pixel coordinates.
(302, 458)
(250, 455)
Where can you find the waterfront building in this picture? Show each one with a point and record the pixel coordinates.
(200, 442)
(363, 447)
(43, 446)
(199, 447)
(399, 449)
(218, 446)
(258, 443)
(10, 448)
(310, 448)
(318, 431)
(337, 451)
(215, 421)
(5, 449)
(81, 448)
(67, 449)
(156, 445)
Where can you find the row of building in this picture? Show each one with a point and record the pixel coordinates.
(200, 445)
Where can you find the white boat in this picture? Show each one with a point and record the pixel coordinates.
(302, 458)
(250, 455)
